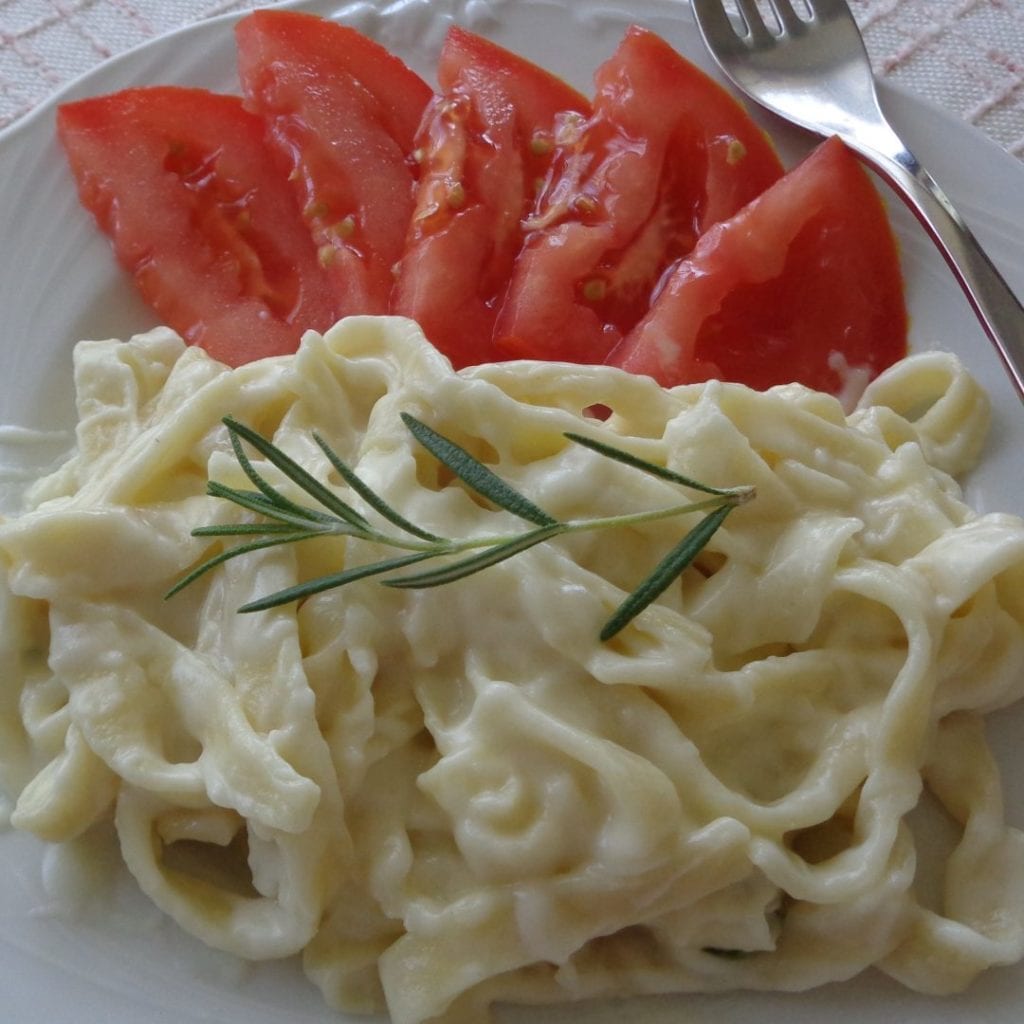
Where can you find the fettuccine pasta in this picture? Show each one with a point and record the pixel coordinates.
(449, 797)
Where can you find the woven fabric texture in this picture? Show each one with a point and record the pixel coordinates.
(966, 56)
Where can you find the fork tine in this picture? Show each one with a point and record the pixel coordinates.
(788, 18)
(714, 23)
(712, 17)
(829, 9)
(756, 28)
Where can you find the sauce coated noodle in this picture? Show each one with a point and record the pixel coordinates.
(448, 797)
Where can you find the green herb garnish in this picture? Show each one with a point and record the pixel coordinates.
(289, 522)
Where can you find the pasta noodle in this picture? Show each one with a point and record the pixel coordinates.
(447, 798)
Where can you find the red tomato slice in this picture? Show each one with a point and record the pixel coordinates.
(342, 114)
(485, 142)
(181, 180)
(800, 282)
(666, 154)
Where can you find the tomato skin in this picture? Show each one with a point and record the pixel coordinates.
(181, 181)
(666, 154)
(342, 114)
(643, 247)
(808, 269)
(484, 142)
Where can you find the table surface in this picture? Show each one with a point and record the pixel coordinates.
(966, 56)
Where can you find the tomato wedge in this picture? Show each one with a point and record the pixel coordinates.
(342, 114)
(666, 154)
(181, 180)
(486, 141)
(800, 285)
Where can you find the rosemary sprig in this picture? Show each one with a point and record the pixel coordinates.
(287, 522)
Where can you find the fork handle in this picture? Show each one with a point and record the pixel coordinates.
(998, 309)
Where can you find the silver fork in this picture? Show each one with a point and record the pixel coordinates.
(813, 70)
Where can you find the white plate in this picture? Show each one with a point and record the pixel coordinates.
(122, 963)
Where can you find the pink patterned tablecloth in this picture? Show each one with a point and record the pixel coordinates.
(966, 56)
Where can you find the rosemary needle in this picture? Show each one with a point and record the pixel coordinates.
(287, 522)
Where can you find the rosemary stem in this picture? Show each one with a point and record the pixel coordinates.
(331, 515)
(739, 497)
(453, 547)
